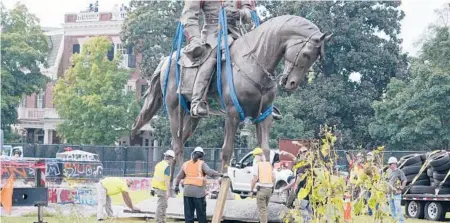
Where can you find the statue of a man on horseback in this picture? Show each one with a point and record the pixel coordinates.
(202, 44)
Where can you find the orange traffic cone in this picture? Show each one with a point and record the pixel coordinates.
(347, 208)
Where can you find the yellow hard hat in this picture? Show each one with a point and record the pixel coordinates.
(257, 151)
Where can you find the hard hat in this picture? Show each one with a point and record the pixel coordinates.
(359, 155)
(198, 149)
(303, 149)
(170, 153)
(370, 154)
(257, 151)
(392, 160)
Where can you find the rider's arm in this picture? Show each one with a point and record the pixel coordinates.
(190, 19)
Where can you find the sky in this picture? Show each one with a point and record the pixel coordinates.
(418, 15)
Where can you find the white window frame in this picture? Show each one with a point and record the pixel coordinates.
(40, 99)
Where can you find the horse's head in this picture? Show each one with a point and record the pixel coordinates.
(299, 56)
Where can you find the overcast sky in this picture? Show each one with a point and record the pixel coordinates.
(419, 13)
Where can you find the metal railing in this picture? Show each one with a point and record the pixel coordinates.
(140, 161)
(88, 16)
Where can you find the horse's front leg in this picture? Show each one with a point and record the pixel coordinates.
(189, 126)
(262, 133)
(231, 126)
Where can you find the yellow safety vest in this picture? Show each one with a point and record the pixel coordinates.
(265, 172)
(159, 178)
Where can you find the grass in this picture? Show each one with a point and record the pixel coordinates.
(72, 219)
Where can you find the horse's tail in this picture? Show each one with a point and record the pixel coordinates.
(152, 101)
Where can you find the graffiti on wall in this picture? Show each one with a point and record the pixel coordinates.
(25, 170)
(83, 196)
(83, 170)
(140, 184)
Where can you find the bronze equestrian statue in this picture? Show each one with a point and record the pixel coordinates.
(254, 57)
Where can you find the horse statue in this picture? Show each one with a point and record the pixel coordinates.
(254, 56)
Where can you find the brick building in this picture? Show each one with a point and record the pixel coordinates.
(37, 116)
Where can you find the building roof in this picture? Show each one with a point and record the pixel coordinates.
(54, 42)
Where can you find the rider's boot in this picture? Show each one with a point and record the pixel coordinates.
(276, 114)
(199, 107)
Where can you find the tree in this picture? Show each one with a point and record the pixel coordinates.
(414, 114)
(150, 27)
(365, 41)
(24, 50)
(91, 98)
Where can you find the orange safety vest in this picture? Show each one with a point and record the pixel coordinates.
(265, 172)
(194, 173)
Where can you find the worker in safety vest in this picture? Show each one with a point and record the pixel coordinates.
(263, 179)
(108, 187)
(161, 185)
(194, 173)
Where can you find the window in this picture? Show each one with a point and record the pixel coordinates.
(129, 88)
(146, 142)
(121, 49)
(76, 48)
(40, 100)
(131, 57)
(110, 54)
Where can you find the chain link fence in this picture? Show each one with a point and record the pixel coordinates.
(137, 161)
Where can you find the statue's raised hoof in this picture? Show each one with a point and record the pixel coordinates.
(276, 114)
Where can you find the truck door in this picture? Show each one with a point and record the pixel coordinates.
(243, 175)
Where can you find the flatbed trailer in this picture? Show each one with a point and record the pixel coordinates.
(427, 206)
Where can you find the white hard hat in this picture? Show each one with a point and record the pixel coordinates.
(198, 149)
(170, 153)
(392, 160)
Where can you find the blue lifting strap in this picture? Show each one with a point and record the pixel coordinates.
(229, 72)
(177, 41)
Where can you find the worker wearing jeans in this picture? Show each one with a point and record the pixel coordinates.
(396, 207)
(397, 182)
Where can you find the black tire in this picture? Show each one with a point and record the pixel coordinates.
(430, 171)
(444, 190)
(410, 170)
(415, 209)
(422, 190)
(411, 159)
(409, 178)
(439, 176)
(442, 168)
(439, 160)
(437, 182)
(424, 182)
(423, 157)
(434, 211)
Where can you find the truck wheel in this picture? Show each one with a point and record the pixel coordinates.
(414, 209)
(434, 211)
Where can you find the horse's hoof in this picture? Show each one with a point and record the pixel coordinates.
(277, 117)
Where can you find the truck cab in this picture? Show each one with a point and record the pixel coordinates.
(240, 173)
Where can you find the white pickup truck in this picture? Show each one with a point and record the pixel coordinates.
(240, 174)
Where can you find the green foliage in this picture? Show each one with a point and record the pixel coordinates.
(356, 47)
(414, 113)
(23, 49)
(150, 27)
(91, 97)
